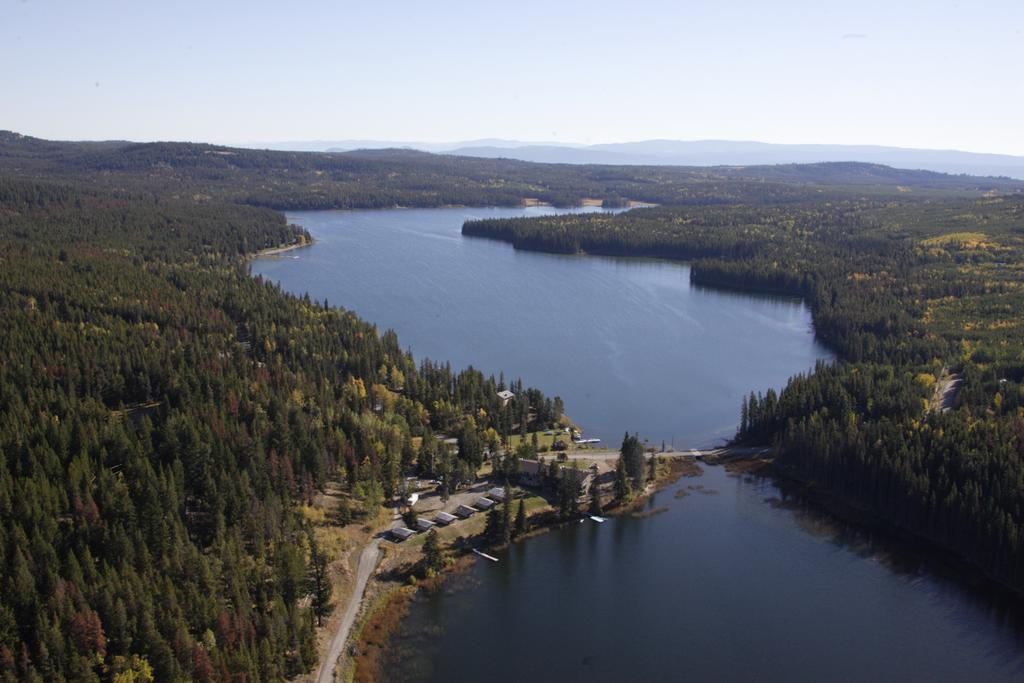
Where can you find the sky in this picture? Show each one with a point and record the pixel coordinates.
(935, 74)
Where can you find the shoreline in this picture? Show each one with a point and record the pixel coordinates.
(274, 252)
(524, 203)
(740, 461)
(958, 566)
(822, 499)
(843, 511)
(381, 613)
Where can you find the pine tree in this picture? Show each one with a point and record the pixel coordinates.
(506, 518)
(520, 527)
(492, 529)
(744, 418)
(623, 490)
(595, 497)
(471, 449)
(433, 558)
(343, 515)
(632, 452)
(569, 485)
(319, 581)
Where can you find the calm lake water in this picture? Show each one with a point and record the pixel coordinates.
(729, 582)
(724, 585)
(626, 343)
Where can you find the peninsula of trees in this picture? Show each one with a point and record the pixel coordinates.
(910, 293)
(163, 415)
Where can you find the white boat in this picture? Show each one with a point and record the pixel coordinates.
(597, 519)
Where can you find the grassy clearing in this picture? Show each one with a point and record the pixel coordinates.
(544, 441)
(967, 240)
(474, 525)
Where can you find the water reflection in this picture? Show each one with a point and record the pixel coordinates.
(741, 578)
(627, 343)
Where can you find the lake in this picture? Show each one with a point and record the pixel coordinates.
(628, 344)
(734, 580)
(728, 584)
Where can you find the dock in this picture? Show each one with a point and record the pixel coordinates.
(485, 555)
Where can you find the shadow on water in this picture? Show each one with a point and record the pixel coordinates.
(748, 294)
(902, 555)
(739, 578)
(983, 631)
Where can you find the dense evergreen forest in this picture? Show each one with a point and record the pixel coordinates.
(382, 178)
(906, 292)
(162, 414)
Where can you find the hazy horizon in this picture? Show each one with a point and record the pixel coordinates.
(921, 76)
(456, 143)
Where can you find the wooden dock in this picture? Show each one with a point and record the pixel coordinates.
(485, 555)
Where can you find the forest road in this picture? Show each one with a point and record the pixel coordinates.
(367, 563)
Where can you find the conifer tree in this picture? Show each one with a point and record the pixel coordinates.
(506, 517)
(520, 527)
(623, 489)
(492, 529)
(320, 587)
(433, 558)
(343, 515)
(632, 453)
(595, 497)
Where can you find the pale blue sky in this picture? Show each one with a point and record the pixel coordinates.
(917, 74)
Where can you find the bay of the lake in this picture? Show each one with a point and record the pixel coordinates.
(732, 579)
(627, 343)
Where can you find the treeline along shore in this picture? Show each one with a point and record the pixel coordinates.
(190, 454)
(906, 292)
(169, 424)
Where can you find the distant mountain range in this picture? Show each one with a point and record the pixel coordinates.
(435, 147)
(694, 153)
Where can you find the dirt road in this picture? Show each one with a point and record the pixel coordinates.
(368, 559)
(364, 570)
(431, 502)
(605, 455)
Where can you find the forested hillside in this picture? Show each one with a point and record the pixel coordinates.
(372, 179)
(906, 292)
(162, 414)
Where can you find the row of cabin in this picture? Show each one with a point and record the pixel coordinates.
(531, 473)
(443, 518)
